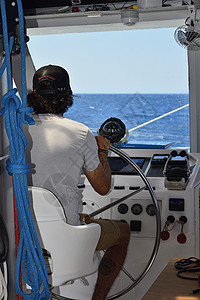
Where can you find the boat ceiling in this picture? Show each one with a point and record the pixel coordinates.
(57, 17)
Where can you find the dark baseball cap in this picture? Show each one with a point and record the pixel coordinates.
(56, 75)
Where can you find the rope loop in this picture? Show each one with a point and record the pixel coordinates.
(26, 111)
(7, 98)
(28, 119)
(10, 95)
(17, 168)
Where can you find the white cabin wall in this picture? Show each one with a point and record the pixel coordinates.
(16, 69)
(194, 99)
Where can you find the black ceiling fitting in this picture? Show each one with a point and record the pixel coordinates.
(36, 5)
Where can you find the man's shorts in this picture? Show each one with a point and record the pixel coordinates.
(110, 232)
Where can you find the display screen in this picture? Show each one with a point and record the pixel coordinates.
(159, 160)
(176, 204)
(161, 157)
(178, 158)
(120, 166)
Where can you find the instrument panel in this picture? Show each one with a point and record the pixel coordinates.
(119, 166)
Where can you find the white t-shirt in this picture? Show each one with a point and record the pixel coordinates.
(59, 148)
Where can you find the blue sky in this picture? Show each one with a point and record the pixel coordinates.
(138, 61)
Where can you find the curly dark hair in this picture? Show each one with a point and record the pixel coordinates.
(47, 103)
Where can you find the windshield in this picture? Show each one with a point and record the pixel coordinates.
(138, 76)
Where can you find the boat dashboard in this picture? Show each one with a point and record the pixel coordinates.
(152, 166)
(171, 173)
(174, 175)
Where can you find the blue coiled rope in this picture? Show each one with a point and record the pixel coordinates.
(29, 260)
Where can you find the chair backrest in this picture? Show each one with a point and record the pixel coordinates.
(72, 248)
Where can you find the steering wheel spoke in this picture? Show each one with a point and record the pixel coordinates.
(110, 205)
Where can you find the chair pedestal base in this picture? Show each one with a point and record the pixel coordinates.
(78, 289)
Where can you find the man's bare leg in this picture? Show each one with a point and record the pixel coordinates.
(111, 264)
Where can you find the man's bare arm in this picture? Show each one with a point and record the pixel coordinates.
(100, 178)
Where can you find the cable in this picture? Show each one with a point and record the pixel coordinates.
(189, 265)
(124, 4)
(29, 260)
(4, 62)
(114, 5)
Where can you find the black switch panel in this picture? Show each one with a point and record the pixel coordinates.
(119, 187)
(176, 204)
(136, 225)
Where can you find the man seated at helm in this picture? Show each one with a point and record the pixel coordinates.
(61, 148)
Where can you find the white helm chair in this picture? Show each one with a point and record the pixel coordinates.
(71, 248)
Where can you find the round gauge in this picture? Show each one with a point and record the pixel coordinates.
(136, 209)
(123, 208)
(151, 211)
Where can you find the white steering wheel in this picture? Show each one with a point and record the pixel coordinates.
(147, 185)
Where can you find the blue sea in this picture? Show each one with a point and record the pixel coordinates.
(136, 109)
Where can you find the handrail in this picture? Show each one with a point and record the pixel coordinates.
(160, 117)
